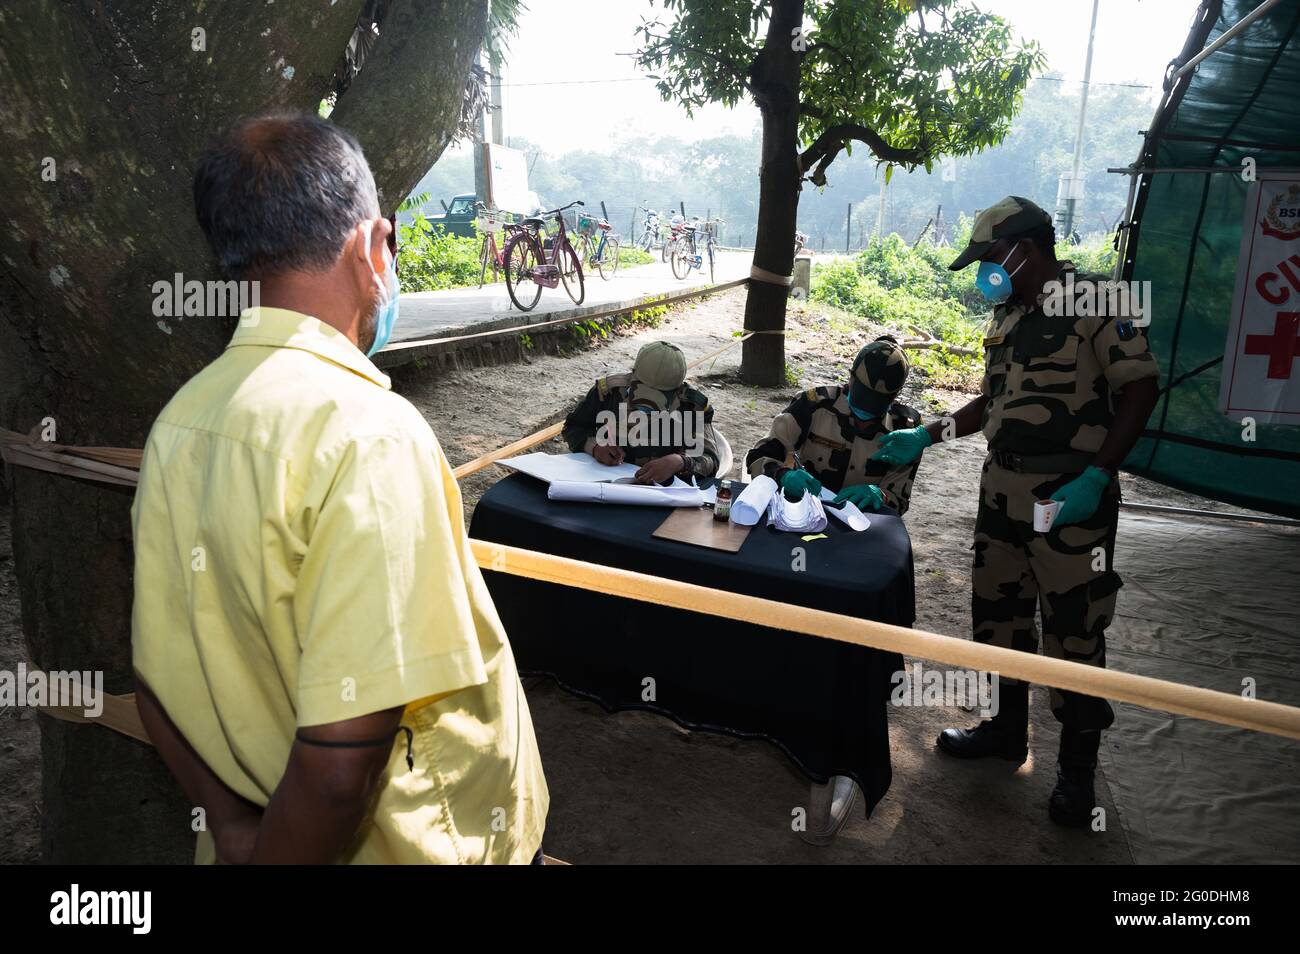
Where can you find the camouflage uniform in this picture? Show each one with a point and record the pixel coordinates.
(608, 393)
(1050, 383)
(834, 446)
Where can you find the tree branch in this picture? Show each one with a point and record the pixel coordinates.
(829, 143)
(739, 73)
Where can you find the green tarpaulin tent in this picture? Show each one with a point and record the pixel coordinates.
(1239, 107)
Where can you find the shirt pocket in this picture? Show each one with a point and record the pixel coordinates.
(824, 443)
(1049, 361)
(997, 364)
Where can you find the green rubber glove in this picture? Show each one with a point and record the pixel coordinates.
(795, 482)
(1080, 497)
(862, 496)
(903, 447)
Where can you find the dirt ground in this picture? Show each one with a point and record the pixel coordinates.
(632, 787)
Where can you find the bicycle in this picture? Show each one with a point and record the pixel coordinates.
(686, 253)
(602, 252)
(490, 252)
(800, 240)
(526, 261)
(676, 229)
(649, 230)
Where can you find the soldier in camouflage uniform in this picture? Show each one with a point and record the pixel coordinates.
(656, 383)
(1065, 397)
(828, 435)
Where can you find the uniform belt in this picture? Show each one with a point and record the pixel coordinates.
(1074, 462)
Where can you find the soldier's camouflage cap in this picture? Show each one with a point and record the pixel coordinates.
(660, 364)
(1010, 217)
(879, 371)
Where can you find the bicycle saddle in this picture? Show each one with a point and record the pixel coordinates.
(533, 222)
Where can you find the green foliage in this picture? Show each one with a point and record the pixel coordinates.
(428, 259)
(911, 292)
(630, 255)
(916, 80)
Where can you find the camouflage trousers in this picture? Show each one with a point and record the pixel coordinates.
(1067, 573)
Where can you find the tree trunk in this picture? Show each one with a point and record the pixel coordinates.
(117, 98)
(776, 83)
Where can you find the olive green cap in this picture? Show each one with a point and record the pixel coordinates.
(660, 364)
(1011, 217)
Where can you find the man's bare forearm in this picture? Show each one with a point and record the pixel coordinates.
(326, 791)
(224, 809)
(967, 420)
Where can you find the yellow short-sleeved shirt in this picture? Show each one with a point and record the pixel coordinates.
(300, 559)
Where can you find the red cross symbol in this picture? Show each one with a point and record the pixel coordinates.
(1282, 346)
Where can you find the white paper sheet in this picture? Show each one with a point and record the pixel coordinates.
(570, 467)
(849, 513)
(749, 507)
(647, 495)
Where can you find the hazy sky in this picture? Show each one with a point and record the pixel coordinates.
(565, 45)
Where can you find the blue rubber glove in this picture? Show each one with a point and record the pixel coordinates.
(903, 447)
(795, 482)
(1080, 497)
(862, 496)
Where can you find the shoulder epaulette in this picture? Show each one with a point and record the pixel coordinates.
(611, 381)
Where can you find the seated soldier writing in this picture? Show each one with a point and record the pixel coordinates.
(652, 417)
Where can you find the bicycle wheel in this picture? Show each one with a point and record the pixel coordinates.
(666, 252)
(484, 254)
(571, 273)
(609, 262)
(680, 263)
(522, 255)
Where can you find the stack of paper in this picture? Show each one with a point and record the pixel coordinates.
(805, 515)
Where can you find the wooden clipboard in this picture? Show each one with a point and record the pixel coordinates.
(696, 526)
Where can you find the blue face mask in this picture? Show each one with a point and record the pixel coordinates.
(390, 297)
(860, 415)
(994, 281)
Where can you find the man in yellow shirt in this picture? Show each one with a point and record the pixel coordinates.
(317, 656)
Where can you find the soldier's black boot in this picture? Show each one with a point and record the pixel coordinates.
(1005, 736)
(1074, 797)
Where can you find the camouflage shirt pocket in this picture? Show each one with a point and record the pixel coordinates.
(1048, 361)
(997, 363)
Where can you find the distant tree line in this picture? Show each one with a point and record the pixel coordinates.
(719, 175)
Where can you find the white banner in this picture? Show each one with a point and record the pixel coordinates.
(1261, 357)
(507, 179)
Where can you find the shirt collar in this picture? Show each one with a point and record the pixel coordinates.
(282, 328)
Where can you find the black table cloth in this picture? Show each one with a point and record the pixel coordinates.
(823, 702)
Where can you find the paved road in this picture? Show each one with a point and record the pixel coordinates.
(435, 314)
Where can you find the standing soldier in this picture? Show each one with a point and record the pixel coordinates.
(1066, 394)
(656, 384)
(828, 435)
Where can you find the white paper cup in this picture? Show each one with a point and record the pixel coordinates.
(1044, 514)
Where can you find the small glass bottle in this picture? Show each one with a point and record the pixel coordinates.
(722, 507)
